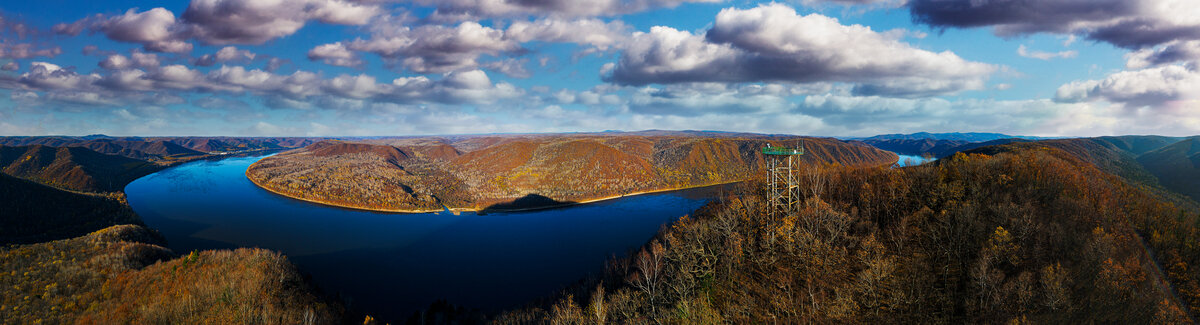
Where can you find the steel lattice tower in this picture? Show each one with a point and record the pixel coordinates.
(782, 167)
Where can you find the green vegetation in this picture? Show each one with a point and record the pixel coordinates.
(1028, 235)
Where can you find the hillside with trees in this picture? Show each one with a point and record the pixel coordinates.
(162, 149)
(123, 275)
(76, 256)
(1023, 235)
(476, 173)
(917, 147)
(1177, 166)
(36, 213)
(73, 168)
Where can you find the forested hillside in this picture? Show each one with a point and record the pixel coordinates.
(74, 168)
(78, 257)
(917, 147)
(1177, 166)
(480, 172)
(34, 212)
(122, 275)
(165, 149)
(1026, 235)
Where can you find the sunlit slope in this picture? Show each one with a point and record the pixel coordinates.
(477, 172)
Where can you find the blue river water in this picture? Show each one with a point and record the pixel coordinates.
(909, 160)
(391, 265)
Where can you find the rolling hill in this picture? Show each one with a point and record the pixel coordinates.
(169, 149)
(35, 212)
(144, 150)
(123, 275)
(917, 147)
(474, 173)
(74, 168)
(956, 136)
(1024, 234)
(69, 257)
(1177, 166)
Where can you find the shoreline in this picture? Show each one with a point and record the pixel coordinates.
(476, 210)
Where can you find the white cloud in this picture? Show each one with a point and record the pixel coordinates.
(435, 48)
(1146, 87)
(593, 32)
(335, 54)
(1040, 55)
(1165, 54)
(255, 22)
(773, 43)
(478, 9)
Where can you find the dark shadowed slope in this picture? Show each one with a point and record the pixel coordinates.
(73, 168)
(144, 150)
(34, 212)
(1177, 166)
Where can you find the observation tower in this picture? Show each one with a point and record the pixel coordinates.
(782, 167)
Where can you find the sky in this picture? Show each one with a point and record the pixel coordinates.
(427, 67)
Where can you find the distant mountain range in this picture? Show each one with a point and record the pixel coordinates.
(956, 136)
(156, 148)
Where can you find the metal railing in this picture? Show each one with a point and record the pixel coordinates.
(782, 151)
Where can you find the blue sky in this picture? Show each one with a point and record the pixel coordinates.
(812, 67)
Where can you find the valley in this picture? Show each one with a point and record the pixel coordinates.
(1040, 230)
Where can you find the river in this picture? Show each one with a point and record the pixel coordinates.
(390, 265)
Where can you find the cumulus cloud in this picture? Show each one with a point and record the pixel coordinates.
(1158, 86)
(121, 80)
(773, 43)
(225, 54)
(43, 75)
(1040, 55)
(593, 32)
(479, 9)
(221, 22)
(155, 29)
(255, 22)
(335, 54)
(510, 67)
(435, 48)
(26, 50)
(1127, 24)
(115, 62)
(1167, 53)
(11, 66)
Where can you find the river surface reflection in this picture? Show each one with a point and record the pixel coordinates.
(389, 264)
